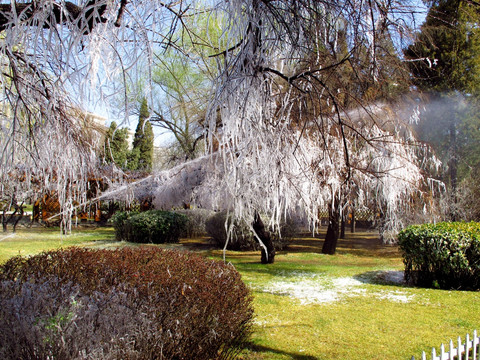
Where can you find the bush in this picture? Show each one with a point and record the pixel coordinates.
(242, 237)
(196, 219)
(153, 226)
(445, 255)
(119, 220)
(142, 303)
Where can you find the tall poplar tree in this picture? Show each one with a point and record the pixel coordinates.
(142, 153)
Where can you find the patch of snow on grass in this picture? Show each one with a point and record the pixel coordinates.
(311, 288)
(315, 289)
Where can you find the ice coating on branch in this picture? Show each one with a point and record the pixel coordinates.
(57, 58)
(278, 139)
(280, 171)
(267, 152)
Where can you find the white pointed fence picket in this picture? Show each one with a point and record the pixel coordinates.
(470, 350)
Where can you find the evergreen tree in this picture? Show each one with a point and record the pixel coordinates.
(445, 62)
(116, 145)
(141, 157)
(446, 54)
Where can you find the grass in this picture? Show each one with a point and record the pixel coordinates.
(358, 312)
(32, 241)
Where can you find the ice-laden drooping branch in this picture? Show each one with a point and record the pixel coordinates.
(46, 143)
(286, 139)
(55, 57)
(284, 143)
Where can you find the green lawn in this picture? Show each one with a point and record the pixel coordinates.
(31, 241)
(314, 306)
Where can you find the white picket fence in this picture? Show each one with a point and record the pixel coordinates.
(470, 350)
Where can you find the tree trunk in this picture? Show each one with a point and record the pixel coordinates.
(330, 244)
(4, 221)
(453, 164)
(352, 225)
(36, 211)
(342, 226)
(268, 256)
(19, 217)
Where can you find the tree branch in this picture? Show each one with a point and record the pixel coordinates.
(60, 14)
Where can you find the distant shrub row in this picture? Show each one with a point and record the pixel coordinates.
(153, 226)
(157, 226)
(444, 255)
(142, 303)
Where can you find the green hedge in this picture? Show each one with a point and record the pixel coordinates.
(444, 255)
(153, 226)
(129, 303)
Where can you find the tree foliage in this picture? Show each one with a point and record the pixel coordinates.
(141, 157)
(116, 146)
(180, 110)
(444, 56)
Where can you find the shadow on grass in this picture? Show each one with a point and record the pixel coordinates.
(259, 349)
(379, 277)
(365, 243)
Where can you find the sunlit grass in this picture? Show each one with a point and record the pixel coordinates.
(371, 318)
(375, 319)
(32, 241)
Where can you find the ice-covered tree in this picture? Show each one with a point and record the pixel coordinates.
(277, 125)
(269, 101)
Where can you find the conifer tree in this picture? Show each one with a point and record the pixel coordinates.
(445, 63)
(446, 54)
(141, 157)
(116, 145)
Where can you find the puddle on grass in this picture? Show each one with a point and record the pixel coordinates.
(318, 289)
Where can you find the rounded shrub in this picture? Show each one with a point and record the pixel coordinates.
(119, 220)
(242, 237)
(196, 219)
(153, 226)
(444, 255)
(141, 303)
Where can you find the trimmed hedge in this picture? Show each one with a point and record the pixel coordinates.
(153, 226)
(242, 237)
(444, 255)
(130, 303)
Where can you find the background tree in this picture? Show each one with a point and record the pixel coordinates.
(116, 146)
(184, 81)
(141, 157)
(183, 106)
(445, 62)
